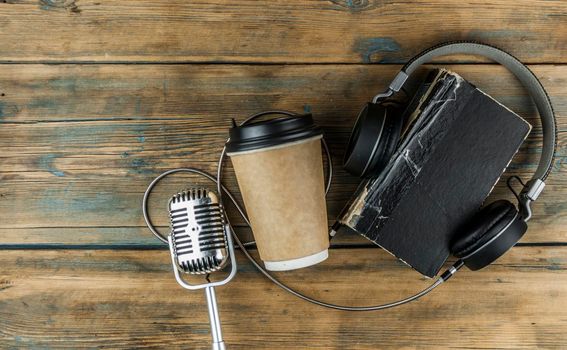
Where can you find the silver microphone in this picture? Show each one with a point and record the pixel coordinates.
(198, 231)
(200, 243)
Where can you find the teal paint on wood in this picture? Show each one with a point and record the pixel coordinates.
(141, 166)
(46, 162)
(82, 237)
(357, 5)
(7, 110)
(43, 103)
(53, 202)
(368, 47)
(69, 5)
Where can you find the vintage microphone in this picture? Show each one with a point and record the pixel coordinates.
(201, 243)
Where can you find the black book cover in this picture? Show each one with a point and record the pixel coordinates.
(449, 160)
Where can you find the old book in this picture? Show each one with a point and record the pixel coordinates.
(460, 142)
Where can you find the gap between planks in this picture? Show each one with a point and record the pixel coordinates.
(158, 246)
(252, 63)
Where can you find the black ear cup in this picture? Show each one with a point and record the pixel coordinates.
(491, 233)
(373, 139)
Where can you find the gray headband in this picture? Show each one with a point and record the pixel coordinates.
(522, 73)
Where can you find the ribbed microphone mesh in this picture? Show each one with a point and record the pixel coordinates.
(197, 230)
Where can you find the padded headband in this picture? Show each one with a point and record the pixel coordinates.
(522, 73)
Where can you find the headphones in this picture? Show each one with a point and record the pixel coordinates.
(498, 226)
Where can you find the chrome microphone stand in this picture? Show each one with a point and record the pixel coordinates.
(216, 332)
(214, 319)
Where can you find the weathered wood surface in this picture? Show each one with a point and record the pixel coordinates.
(82, 138)
(345, 31)
(81, 142)
(129, 299)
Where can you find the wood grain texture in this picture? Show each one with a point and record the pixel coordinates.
(81, 142)
(299, 31)
(129, 299)
(82, 138)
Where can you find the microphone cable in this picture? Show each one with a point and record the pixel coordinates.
(221, 189)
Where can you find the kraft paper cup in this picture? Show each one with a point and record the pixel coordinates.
(279, 169)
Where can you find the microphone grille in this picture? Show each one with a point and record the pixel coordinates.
(197, 230)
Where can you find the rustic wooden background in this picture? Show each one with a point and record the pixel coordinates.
(98, 97)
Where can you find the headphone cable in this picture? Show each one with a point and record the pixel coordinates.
(221, 189)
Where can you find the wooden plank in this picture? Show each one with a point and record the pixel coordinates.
(81, 143)
(272, 31)
(129, 299)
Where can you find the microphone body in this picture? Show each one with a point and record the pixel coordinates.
(198, 231)
(200, 243)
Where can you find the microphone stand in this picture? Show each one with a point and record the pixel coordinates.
(216, 333)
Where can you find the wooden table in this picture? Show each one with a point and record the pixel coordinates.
(99, 97)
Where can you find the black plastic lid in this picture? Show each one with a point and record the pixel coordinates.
(270, 133)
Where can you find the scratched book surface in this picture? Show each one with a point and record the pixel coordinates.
(448, 162)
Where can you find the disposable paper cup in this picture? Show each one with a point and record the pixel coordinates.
(279, 169)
